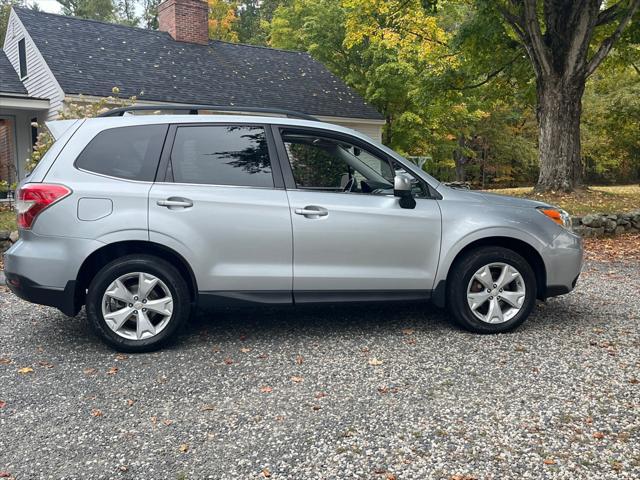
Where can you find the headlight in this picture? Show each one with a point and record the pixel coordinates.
(557, 215)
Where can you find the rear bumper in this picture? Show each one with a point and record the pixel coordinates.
(61, 298)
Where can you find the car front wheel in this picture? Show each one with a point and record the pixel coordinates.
(137, 303)
(491, 290)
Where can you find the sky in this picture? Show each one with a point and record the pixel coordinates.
(50, 6)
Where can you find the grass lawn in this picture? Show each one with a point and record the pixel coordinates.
(8, 220)
(617, 199)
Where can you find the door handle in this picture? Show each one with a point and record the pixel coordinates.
(174, 202)
(311, 211)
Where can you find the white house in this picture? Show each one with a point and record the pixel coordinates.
(51, 60)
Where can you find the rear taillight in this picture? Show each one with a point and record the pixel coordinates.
(33, 198)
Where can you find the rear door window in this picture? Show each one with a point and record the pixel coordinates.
(221, 155)
(131, 153)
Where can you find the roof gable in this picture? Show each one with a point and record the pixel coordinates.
(9, 81)
(91, 57)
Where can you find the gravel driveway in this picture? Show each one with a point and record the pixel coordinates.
(359, 392)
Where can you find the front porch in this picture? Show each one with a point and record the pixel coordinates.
(19, 117)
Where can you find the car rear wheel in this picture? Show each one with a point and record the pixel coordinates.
(137, 303)
(491, 290)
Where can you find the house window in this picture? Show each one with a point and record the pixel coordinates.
(22, 53)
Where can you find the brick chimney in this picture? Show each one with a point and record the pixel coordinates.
(185, 20)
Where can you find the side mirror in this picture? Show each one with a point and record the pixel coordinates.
(402, 190)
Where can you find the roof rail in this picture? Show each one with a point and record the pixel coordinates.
(194, 109)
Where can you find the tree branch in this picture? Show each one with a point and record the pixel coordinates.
(607, 43)
(489, 77)
(516, 22)
(532, 27)
(608, 14)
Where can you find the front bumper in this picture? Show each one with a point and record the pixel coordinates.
(563, 262)
(61, 298)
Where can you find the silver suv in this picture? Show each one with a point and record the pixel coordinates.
(140, 217)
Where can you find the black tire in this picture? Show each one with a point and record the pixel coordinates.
(460, 275)
(146, 264)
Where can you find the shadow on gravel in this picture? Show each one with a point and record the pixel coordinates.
(51, 329)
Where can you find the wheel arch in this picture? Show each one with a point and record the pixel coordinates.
(521, 247)
(100, 257)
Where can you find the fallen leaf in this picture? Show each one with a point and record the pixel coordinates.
(184, 448)
(297, 379)
(265, 473)
(408, 331)
(3, 404)
(5, 361)
(96, 413)
(167, 422)
(121, 356)
(45, 364)
(598, 435)
(112, 371)
(634, 381)
(25, 370)
(391, 476)
(385, 389)
(616, 466)
(262, 356)
(123, 468)
(321, 395)
(154, 420)
(245, 350)
(520, 348)
(299, 359)
(266, 389)
(549, 461)
(208, 408)
(410, 341)
(364, 349)
(228, 361)
(316, 407)
(380, 471)
(375, 362)
(5, 475)
(89, 371)
(130, 402)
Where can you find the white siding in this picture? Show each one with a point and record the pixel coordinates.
(371, 130)
(40, 82)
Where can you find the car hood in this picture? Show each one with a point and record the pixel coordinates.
(496, 199)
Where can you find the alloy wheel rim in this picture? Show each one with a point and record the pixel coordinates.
(137, 306)
(496, 293)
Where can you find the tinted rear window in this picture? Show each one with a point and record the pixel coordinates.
(221, 155)
(131, 153)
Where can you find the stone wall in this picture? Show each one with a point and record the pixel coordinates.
(600, 224)
(7, 239)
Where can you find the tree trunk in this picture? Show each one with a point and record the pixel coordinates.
(460, 159)
(559, 111)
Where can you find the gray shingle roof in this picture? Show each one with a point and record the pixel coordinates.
(9, 81)
(92, 57)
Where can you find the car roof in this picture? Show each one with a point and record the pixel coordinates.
(103, 123)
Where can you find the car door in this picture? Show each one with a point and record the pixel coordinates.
(221, 204)
(351, 238)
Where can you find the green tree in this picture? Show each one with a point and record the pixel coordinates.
(93, 9)
(5, 11)
(126, 13)
(150, 14)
